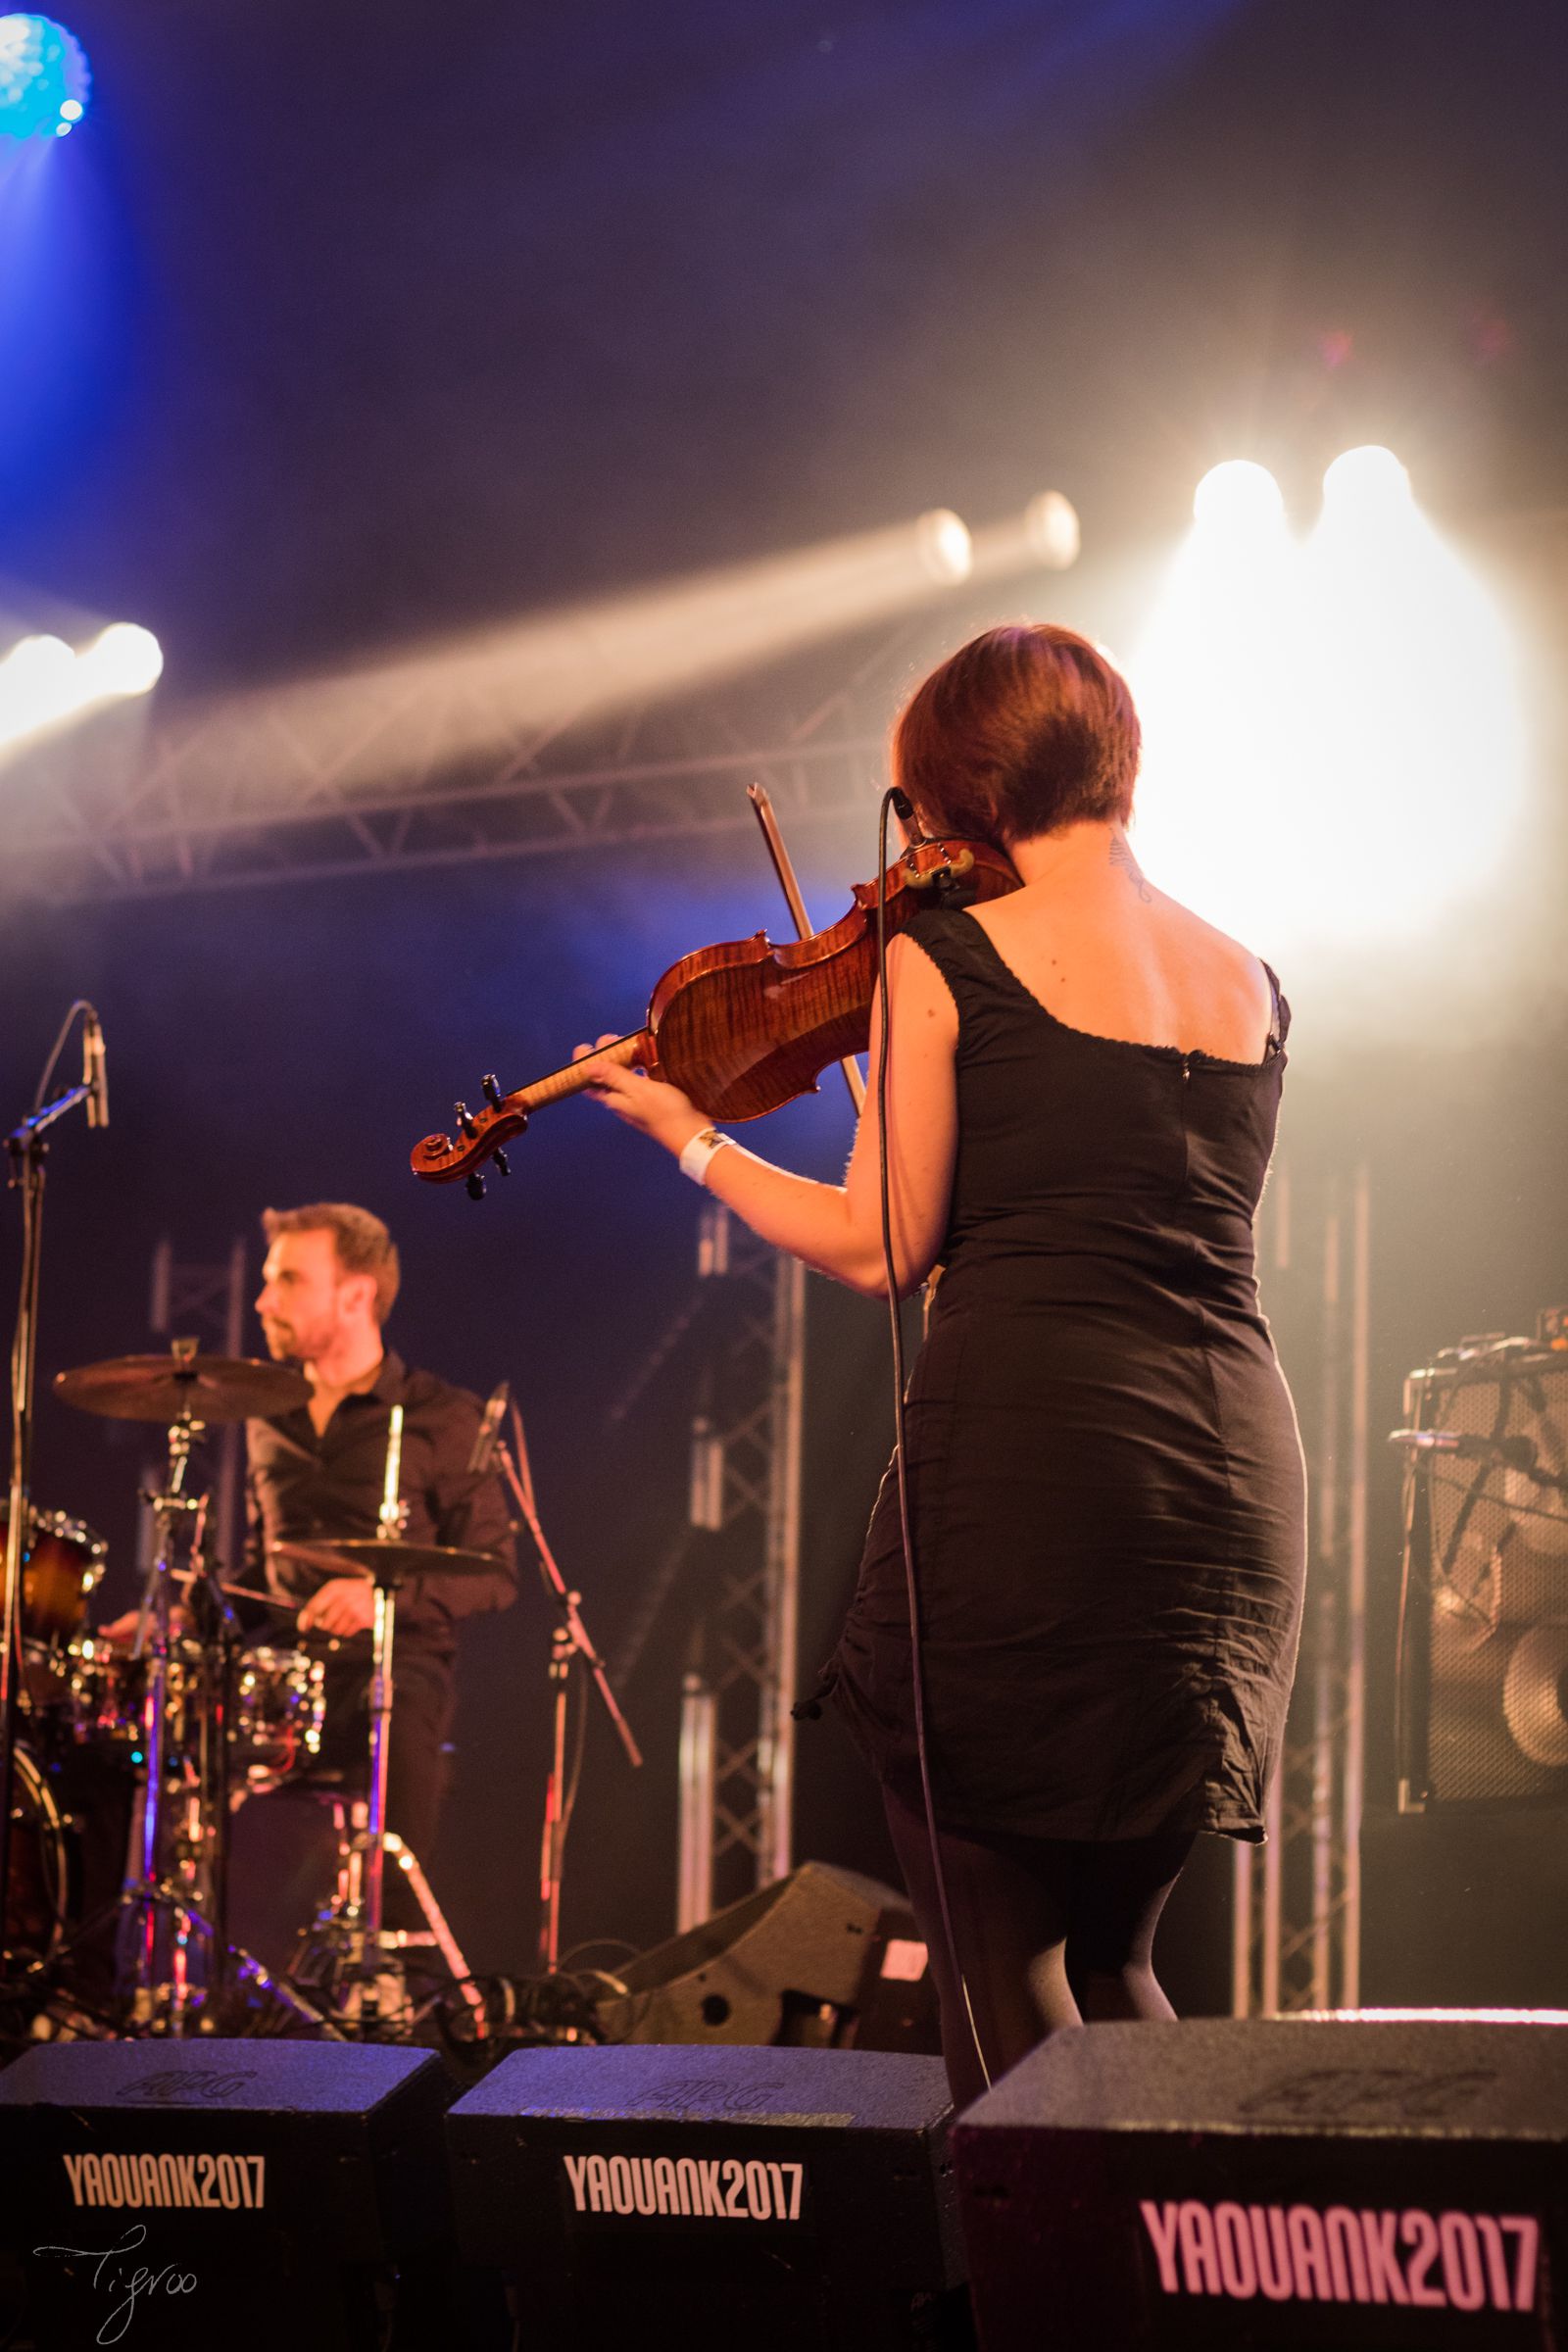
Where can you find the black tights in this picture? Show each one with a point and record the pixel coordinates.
(1051, 1932)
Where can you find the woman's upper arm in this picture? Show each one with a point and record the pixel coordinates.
(922, 1118)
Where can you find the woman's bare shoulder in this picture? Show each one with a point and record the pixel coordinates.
(1224, 958)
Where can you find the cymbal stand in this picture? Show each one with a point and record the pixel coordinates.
(159, 1918)
(217, 1630)
(348, 1955)
(28, 1152)
(572, 1645)
(389, 1525)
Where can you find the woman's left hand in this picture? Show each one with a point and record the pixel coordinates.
(647, 1103)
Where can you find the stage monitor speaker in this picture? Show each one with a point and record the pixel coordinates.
(1484, 1607)
(1379, 2185)
(245, 2195)
(1465, 1908)
(823, 1956)
(784, 2200)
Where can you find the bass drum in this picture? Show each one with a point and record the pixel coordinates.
(42, 1901)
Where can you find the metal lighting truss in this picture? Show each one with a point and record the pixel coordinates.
(206, 1304)
(1297, 1911)
(231, 796)
(737, 1751)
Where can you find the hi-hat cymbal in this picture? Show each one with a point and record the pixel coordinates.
(171, 1388)
(388, 1563)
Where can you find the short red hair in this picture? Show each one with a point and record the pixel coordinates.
(1020, 731)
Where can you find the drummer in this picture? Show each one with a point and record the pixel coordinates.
(328, 1284)
(317, 1472)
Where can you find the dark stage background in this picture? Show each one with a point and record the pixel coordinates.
(362, 328)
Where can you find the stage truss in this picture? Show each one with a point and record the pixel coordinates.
(231, 798)
(737, 1751)
(1297, 1902)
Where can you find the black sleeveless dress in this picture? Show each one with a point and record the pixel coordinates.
(1107, 1485)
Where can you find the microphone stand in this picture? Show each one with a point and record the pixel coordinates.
(571, 1643)
(28, 1152)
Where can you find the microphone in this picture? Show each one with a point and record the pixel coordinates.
(94, 1069)
(1513, 1453)
(484, 1436)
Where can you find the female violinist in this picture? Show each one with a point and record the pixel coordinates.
(1106, 1486)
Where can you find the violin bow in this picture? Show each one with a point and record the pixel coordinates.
(757, 794)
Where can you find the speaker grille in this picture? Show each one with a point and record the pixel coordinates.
(1487, 1582)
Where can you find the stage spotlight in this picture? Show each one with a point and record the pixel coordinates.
(1334, 745)
(124, 659)
(37, 681)
(946, 549)
(1367, 481)
(44, 78)
(1415, 703)
(42, 682)
(1239, 500)
(1051, 528)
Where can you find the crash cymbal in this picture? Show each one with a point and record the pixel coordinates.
(174, 1387)
(389, 1563)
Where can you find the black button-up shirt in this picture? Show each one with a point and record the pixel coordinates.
(301, 1486)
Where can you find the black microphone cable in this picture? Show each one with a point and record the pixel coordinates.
(891, 798)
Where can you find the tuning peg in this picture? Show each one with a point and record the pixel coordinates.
(474, 1186)
(492, 1088)
(464, 1118)
(503, 1163)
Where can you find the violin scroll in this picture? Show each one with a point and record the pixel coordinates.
(483, 1134)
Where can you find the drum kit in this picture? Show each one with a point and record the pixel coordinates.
(197, 1720)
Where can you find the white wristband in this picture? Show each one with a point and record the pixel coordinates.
(698, 1155)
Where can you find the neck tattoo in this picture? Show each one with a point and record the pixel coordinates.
(1122, 858)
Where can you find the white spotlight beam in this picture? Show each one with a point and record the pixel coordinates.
(577, 728)
(43, 684)
(538, 677)
(1334, 742)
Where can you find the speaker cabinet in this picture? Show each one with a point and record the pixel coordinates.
(244, 2194)
(1358, 2183)
(784, 2200)
(1465, 1908)
(1484, 1612)
(823, 1956)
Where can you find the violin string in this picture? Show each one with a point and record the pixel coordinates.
(900, 1444)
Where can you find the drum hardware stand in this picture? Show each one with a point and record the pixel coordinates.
(167, 1917)
(28, 1151)
(348, 1955)
(174, 1858)
(157, 1917)
(571, 1643)
(218, 1632)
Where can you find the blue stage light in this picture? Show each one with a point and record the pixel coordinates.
(44, 78)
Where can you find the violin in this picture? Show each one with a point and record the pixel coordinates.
(745, 1026)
